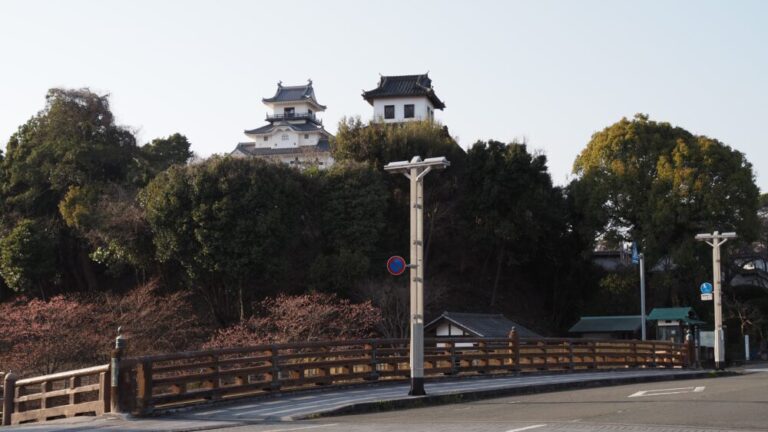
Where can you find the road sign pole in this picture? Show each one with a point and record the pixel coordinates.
(719, 339)
(642, 297)
(716, 239)
(415, 170)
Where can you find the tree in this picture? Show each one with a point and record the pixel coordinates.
(511, 208)
(303, 318)
(76, 331)
(379, 143)
(229, 223)
(28, 257)
(659, 185)
(347, 217)
(59, 167)
(44, 337)
(162, 153)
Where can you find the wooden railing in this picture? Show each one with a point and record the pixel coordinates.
(168, 381)
(143, 385)
(65, 394)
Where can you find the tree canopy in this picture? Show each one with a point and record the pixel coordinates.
(650, 182)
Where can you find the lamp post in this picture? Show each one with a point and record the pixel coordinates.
(716, 239)
(415, 170)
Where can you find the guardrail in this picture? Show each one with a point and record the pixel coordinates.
(65, 394)
(143, 385)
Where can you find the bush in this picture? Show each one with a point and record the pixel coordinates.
(308, 317)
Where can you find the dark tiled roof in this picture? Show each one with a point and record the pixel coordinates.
(301, 127)
(484, 325)
(300, 93)
(251, 149)
(404, 85)
(607, 324)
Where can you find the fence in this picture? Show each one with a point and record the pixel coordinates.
(143, 385)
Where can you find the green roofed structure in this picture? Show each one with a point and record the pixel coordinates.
(608, 327)
(672, 323)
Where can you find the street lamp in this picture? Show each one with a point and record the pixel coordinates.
(716, 239)
(415, 170)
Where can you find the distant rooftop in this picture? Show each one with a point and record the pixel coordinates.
(404, 85)
(607, 324)
(485, 325)
(684, 314)
(300, 93)
(249, 148)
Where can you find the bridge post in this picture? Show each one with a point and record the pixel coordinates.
(688, 349)
(9, 392)
(116, 405)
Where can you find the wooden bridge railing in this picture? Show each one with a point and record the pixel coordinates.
(143, 385)
(166, 381)
(64, 394)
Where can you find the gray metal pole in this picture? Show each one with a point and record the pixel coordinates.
(417, 338)
(642, 297)
(417, 341)
(719, 339)
(415, 170)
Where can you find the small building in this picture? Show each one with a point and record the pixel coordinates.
(295, 135)
(672, 323)
(403, 98)
(456, 324)
(608, 327)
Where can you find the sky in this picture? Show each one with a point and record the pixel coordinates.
(550, 72)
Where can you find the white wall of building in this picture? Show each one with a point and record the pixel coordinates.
(422, 108)
(292, 138)
(447, 328)
(298, 107)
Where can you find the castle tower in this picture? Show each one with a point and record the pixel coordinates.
(403, 98)
(294, 134)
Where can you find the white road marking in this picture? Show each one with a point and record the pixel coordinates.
(527, 428)
(302, 428)
(671, 391)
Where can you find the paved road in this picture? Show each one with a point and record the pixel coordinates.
(605, 409)
(713, 405)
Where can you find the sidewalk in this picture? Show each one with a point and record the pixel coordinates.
(377, 397)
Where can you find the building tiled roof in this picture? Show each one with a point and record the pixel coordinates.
(484, 325)
(301, 93)
(607, 324)
(684, 314)
(404, 85)
(323, 146)
(300, 127)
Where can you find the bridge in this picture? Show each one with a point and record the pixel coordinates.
(153, 385)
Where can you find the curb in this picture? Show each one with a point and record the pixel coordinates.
(474, 395)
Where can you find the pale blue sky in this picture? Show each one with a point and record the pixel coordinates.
(553, 72)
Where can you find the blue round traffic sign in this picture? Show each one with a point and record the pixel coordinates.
(396, 265)
(706, 288)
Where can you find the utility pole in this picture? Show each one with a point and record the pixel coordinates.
(640, 258)
(642, 297)
(716, 239)
(415, 170)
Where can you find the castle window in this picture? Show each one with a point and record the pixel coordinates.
(306, 136)
(266, 138)
(408, 111)
(285, 137)
(389, 111)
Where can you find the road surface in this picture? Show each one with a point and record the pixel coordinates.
(736, 403)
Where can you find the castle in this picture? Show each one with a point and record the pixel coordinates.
(295, 135)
